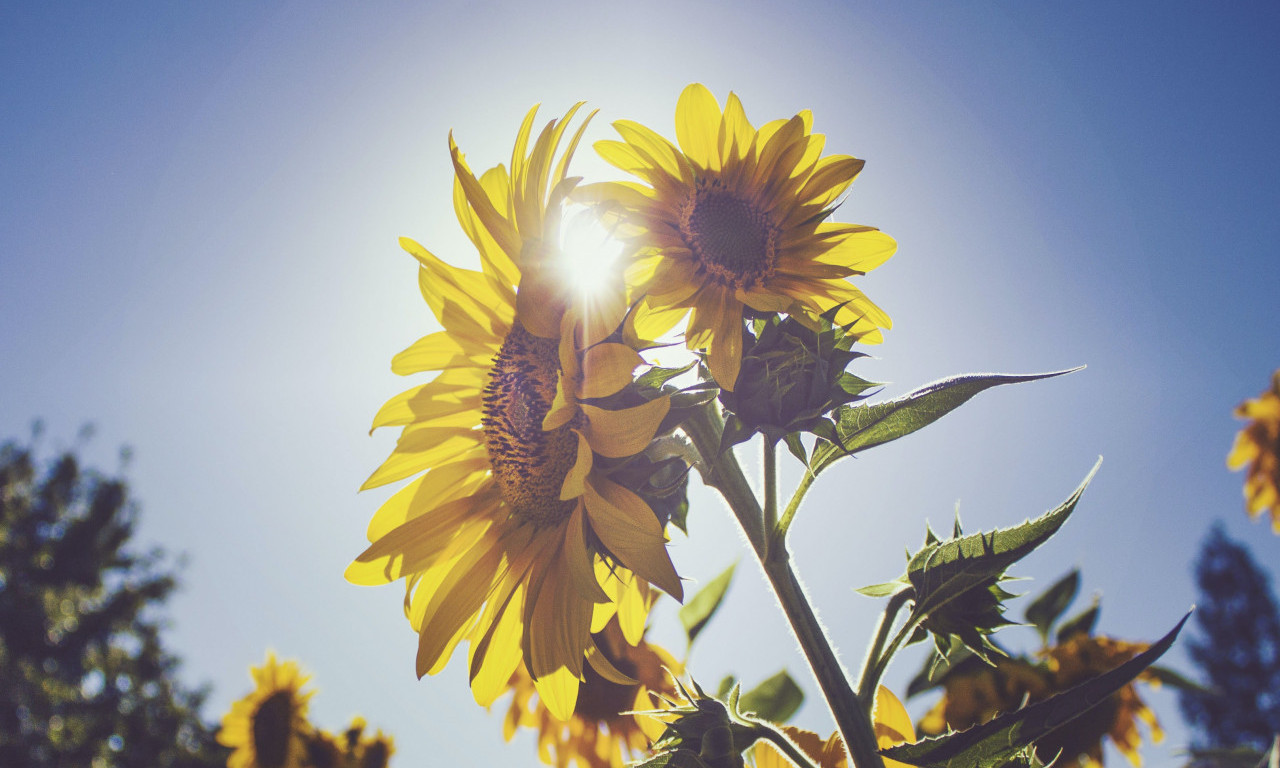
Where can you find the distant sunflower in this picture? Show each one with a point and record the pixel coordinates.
(736, 218)
(513, 536)
(980, 693)
(600, 733)
(268, 728)
(892, 726)
(1258, 446)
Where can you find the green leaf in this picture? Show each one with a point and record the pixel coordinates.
(775, 700)
(695, 614)
(1084, 622)
(1001, 740)
(944, 571)
(865, 426)
(1049, 606)
(726, 685)
(887, 589)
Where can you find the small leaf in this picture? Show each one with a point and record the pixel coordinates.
(1052, 603)
(999, 741)
(1083, 623)
(695, 614)
(775, 700)
(865, 426)
(655, 377)
(726, 685)
(887, 589)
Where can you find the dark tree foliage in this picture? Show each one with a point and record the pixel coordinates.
(1237, 649)
(84, 677)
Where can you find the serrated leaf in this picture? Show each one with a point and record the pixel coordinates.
(695, 614)
(944, 571)
(1049, 606)
(865, 426)
(1083, 623)
(775, 700)
(995, 743)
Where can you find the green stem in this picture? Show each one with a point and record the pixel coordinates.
(772, 540)
(871, 665)
(792, 506)
(882, 663)
(851, 714)
(723, 473)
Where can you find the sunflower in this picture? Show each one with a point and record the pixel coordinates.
(977, 694)
(892, 726)
(1258, 445)
(268, 728)
(602, 731)
(735, 219)
(513, 536)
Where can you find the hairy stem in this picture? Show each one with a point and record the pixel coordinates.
(770, 463)
(792, 506)
(877, 655)
(725, 475)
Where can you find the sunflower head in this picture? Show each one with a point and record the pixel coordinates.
(976, 692)
(793, 375)
(268, 728)
(517, 533)
(736, 218)
(1257, 447)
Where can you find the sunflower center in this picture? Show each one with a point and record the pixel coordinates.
(734, 240)
(272, 727)
(529, 464)
(600, 700)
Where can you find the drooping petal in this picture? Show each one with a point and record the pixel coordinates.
(624, 432)
(630, 530)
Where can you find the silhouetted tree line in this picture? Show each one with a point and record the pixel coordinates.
(84, 677)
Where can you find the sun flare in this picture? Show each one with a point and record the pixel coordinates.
(589, 253)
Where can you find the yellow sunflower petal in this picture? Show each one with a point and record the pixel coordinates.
(624, 432)
(607, 368)
(576, 477)
(631, 532)
(698, 126)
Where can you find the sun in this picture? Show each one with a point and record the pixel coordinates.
(589, 254)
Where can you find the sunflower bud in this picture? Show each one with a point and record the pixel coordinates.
(702, 732)
(792, 377)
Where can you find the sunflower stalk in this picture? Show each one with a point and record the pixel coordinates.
(851, 715)
(878, 655)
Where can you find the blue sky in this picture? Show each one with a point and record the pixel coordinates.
(198, 254)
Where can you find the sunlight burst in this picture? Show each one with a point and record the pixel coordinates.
(589, 252)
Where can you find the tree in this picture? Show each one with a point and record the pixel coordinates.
(1238, 650)
(84, 677)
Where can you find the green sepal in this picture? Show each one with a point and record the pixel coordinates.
(656, 377)
(1049, 606)
(996, 743)
(1082, 623)
(796, 446)
(956, 580)
(727, 684)
(698, 610)
(775, 700)
(734, 432)
(865, 426)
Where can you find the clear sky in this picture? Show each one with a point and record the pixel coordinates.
(198, 254)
